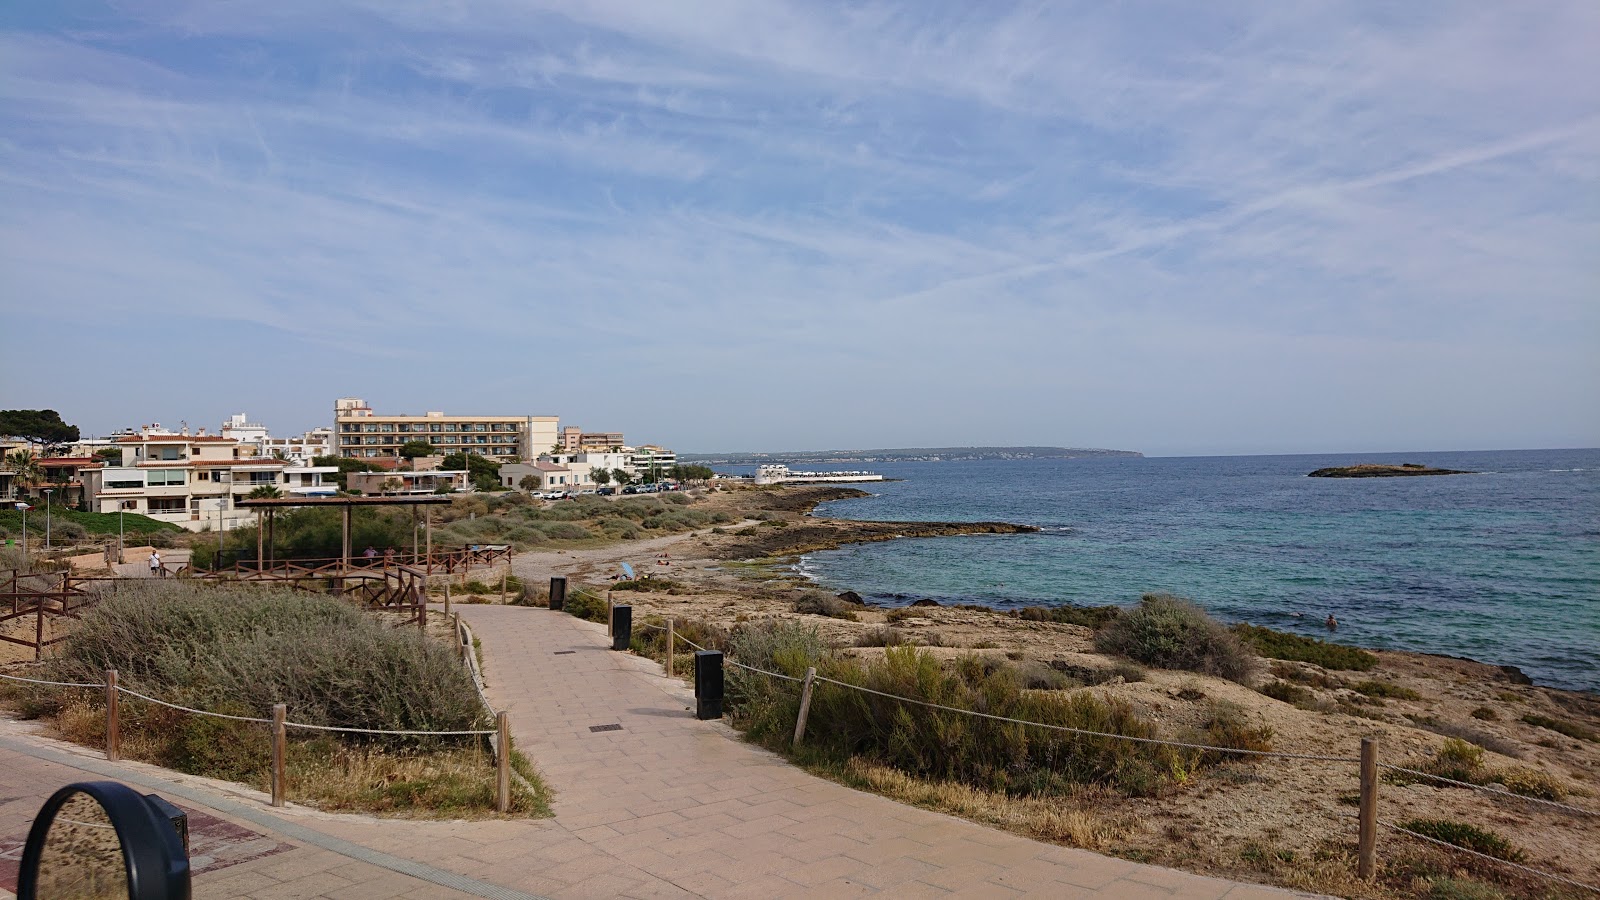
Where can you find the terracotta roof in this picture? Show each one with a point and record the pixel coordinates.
(67, 460)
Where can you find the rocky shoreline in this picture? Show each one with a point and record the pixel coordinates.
(1412, 702)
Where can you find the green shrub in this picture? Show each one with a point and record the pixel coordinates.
(229, 647)
(1227, 727)
(1093, 617)
(1172, 633)
(1485, 713)
(1385, 689)
(478, 587)
(651, 639)
(936, 744)
(1282, 645)
(882, 636)
(1531, 783)
(588, 604)
(1570, 729)
(1462, 834)
(1286, 692)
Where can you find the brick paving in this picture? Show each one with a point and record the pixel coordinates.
(665, 806)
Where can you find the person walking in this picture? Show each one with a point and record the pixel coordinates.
(156, 569)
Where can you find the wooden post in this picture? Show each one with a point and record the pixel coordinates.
(805, 705)
(260, 543)
(38, 628)
(672, 643)
(280, 735)
(611, 622)
(505, 577)
(427, 529)
(461, 639)
(113, 735)
(272, 518)
(447, 596)
(502, 773)
(1367, 844)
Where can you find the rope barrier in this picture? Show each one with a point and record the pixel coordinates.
(379, 731)
(1086, 732)
(1504, 862)
(72, 684)
(1491, 790)
(198, 712)
(734, 662)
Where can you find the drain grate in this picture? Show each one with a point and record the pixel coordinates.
(605, 727)
(564, 652)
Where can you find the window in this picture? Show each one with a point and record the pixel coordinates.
(168, 505)
(124, 483)
(165, 477)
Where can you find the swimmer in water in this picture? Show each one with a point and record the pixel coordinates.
(1333, 624)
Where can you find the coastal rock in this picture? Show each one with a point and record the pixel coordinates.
(925, 601)
(1383, 470)
(1516, 675)
(852, 597)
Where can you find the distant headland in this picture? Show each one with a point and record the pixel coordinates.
(1383, 470)
(904, 454)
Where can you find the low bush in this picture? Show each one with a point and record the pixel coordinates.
(1093, 617)
(587, 604)
(1227, 727)
(1282, 645)
(651, 639)
(478, 587)
(882, 636)
(1462, 834)
(1531, 783)
(1445, 888)
(1172, 633)
(1560, 726)
(939, 745)
(1486, 714)
(1286, 692)
(1372, 688)
(238, 650)
(822, 603)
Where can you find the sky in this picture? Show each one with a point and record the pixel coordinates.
(721, 225)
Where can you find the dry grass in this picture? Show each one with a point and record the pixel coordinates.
(1057, 819)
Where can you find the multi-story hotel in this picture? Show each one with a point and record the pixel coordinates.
(193, 481)
(359, 433)
(576, 440)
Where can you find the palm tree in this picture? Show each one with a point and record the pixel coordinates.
(26, 465)
(264, 492)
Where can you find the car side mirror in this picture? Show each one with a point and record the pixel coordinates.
(100, 840)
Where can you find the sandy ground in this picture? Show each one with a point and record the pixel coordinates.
(1268, 819)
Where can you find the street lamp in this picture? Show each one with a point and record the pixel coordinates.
(47, 492)
(23, 508)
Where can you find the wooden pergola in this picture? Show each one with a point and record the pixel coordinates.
(272, 504)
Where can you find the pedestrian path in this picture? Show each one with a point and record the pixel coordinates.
(649, 802)
(667, 805)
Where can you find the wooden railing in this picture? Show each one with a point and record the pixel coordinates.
(51, 595)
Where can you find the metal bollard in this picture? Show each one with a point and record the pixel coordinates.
(708, 684)
(558, 593)
(621, 627)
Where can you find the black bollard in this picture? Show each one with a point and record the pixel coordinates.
(558, 593)
(708, 684)
(621, 627)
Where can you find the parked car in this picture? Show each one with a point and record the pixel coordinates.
(606, 491)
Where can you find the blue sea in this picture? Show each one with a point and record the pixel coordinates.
(1501, 566)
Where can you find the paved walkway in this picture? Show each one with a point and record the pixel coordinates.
(664, 806)
(669, 806)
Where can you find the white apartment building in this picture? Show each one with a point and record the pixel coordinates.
(647, 459)
(359, 433)
(194, 481)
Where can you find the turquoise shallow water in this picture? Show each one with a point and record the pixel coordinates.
(1501, 566)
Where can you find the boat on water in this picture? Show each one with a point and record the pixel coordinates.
(777, 473)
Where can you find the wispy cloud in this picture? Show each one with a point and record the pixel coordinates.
(1060, 223)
